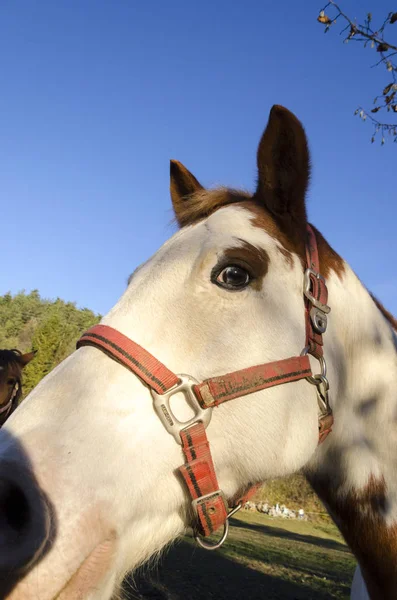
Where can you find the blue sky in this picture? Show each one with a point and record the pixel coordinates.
(97, 96)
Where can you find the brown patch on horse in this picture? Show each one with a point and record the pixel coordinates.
(388, 316)
(264, 220)
(205, 202)
(361, 519)
(12, 363)
(330, 261)
(255, 259)
(279, 201)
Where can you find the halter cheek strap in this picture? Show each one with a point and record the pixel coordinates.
(209, 504)
(6, 408)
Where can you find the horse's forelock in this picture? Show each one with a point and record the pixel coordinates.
(205, 202)
(10, 364)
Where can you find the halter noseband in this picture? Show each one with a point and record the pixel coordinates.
(209, 504)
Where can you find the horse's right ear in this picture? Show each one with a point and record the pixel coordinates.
(183, 185)
(283, 171)
(26, 358)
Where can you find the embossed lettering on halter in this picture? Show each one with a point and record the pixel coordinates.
(209, 505)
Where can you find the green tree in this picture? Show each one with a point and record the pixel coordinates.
(50, 327)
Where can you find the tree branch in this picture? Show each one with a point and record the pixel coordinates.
(366, 34)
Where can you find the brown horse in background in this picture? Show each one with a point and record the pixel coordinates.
(12, 362)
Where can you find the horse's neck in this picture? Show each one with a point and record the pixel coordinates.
(355, 473)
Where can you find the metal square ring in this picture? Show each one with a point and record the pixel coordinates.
(162, 407)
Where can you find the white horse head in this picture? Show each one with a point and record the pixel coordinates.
(86, 454)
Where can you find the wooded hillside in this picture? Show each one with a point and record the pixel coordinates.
(52, 327)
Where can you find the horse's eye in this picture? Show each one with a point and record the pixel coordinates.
(233, 277)
(11, 381)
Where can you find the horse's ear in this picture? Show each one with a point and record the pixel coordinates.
(183, 185)
(284, 170)
(26, 358)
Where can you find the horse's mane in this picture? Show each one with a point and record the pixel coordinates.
(10, 357)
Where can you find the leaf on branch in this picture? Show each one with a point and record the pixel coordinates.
(389, 66)
(323, 18)
(393, 18)
(389, 98)
(387, 89)
(382, 47)
(394, 107)
(375, 110)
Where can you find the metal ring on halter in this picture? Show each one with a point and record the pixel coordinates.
(322, 395)
(321, 380)
(200, 540)
(217, 545)
(313, 379)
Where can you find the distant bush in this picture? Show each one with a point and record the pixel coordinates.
(294, 491)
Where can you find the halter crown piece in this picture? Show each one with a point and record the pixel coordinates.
(209, 505)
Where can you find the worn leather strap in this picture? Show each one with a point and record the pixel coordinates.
(199, 475)
(131, 355)
(314, 340)
(216, 390)
(198, 472)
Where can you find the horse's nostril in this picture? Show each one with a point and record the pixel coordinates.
(14, 508)
(25, 520)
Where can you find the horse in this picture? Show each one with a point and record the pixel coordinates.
(246, 349)
(12, 362)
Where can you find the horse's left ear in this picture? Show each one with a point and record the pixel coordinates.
(284, 170)
(26, 358)
(183, 185)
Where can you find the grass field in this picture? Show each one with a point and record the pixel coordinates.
(263, 559)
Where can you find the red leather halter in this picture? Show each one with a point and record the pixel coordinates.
(209, 504)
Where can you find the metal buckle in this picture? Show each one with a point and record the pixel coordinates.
(306, 290)
(216, 494)
(199, 539)
(162, 407)
(322, 388)
(322, 385)
(314, 378)
(319, 320)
